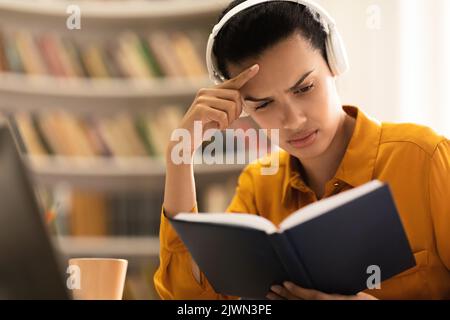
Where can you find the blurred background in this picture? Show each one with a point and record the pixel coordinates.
(94, 89)
(398, 51)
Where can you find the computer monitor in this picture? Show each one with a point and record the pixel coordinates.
(29, 264)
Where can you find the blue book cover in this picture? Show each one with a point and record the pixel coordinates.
(330, 245)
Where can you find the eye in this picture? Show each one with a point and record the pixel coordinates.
(262, 106)
(304, 89)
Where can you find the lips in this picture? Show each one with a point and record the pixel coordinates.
(301, 136)
(304, 140)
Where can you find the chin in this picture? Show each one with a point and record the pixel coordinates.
(304, 154)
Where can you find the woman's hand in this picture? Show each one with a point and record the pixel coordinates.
(290, 291)
(217, 107)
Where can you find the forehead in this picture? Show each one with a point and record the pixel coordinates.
(280, 65)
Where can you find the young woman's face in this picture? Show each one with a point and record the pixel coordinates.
(295, 92)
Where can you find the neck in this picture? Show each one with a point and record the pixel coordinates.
(323, 168)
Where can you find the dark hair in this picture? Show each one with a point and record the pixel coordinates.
(254, 30)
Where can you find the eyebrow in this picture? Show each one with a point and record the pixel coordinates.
(299, 82)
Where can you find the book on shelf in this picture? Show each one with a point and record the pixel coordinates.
(152, 55)
(187, 55)
(28, 53)
(26, 128)
(13, 61)
(49, 52)
(3, 58)
(328, 245)
(88, 214)
(62, 133)
(93, 59)
(85, 213)
(161, 46)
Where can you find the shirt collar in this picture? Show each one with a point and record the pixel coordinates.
(358, 163)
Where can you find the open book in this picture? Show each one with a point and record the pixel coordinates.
(337, 245)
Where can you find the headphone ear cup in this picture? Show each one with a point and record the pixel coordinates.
(336, 53)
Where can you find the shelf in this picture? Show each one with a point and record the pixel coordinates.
(110, 16)
(24, 92)
(108, 246)
(128, 174)
(117, 9)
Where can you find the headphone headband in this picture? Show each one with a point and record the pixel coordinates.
(336, 54)
(250, 3)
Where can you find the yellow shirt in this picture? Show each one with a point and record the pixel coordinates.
(412, 159)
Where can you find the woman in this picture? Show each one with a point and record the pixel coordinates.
(278, 70)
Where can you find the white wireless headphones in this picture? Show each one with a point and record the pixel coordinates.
(335, 49)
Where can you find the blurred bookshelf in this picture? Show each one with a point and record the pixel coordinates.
(129, 247)
(100, 96)
(108, 17)
(113, 174)
(95, 108)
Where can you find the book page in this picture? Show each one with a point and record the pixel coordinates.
(316, 209)
(232, 219)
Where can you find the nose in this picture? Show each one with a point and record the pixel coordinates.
(293, 116)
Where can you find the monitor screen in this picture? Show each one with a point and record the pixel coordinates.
(29, 265)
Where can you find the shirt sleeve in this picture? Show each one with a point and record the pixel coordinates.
(439, 189)
(174, 278)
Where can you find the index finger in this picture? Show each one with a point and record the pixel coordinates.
(240, 80)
